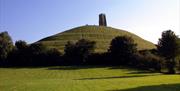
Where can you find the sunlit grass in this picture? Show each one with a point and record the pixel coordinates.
(91, 78)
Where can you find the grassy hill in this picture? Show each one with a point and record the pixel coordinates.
(73, 78)
(102, 35)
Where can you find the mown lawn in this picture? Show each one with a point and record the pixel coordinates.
(73, 78)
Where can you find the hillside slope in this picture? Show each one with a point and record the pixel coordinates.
(102, 35)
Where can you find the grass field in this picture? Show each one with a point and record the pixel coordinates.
(72, 78)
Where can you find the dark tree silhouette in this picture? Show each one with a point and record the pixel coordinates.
(168, 48)
(178, 56)
(19, 56)
(53, 57)
(6, 46)
(36, 54)
(78, 52)
(122, 48)
(21, 45)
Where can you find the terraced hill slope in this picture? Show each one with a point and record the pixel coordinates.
(101, 34)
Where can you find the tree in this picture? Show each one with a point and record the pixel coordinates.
(36, 54)
(178, 57)
(33, 55)
(21, 45)
(168, 48)
(40, 55)
(69, 51)
(19, 56)
(122, 47)
(6, 46)
(79, 51)
(53, 57)
(37, 48)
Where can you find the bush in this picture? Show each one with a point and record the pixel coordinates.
(77, 53)
(99, 59)
(53, 57)
(148, 61)
(33, 55)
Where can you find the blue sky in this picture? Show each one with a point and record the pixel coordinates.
(31, 20)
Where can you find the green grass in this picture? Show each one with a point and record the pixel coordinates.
(71, 78)
(102, 35)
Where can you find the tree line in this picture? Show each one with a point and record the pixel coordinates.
(122, 51)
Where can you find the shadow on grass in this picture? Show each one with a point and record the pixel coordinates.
(141, 72)
(163, 87)
(62, 67)
(114, 77)
(109, 67)
(75, 67)
(132, 68)
(22, 67)
(119, 67)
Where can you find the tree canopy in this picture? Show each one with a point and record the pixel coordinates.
(79, 51)
(168, 45)
(122, 45)
(6, 45)
(122, 48)
(168, 48)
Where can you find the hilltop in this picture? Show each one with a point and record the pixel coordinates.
(102, 35)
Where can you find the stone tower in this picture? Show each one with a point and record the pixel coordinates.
(102, 20)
